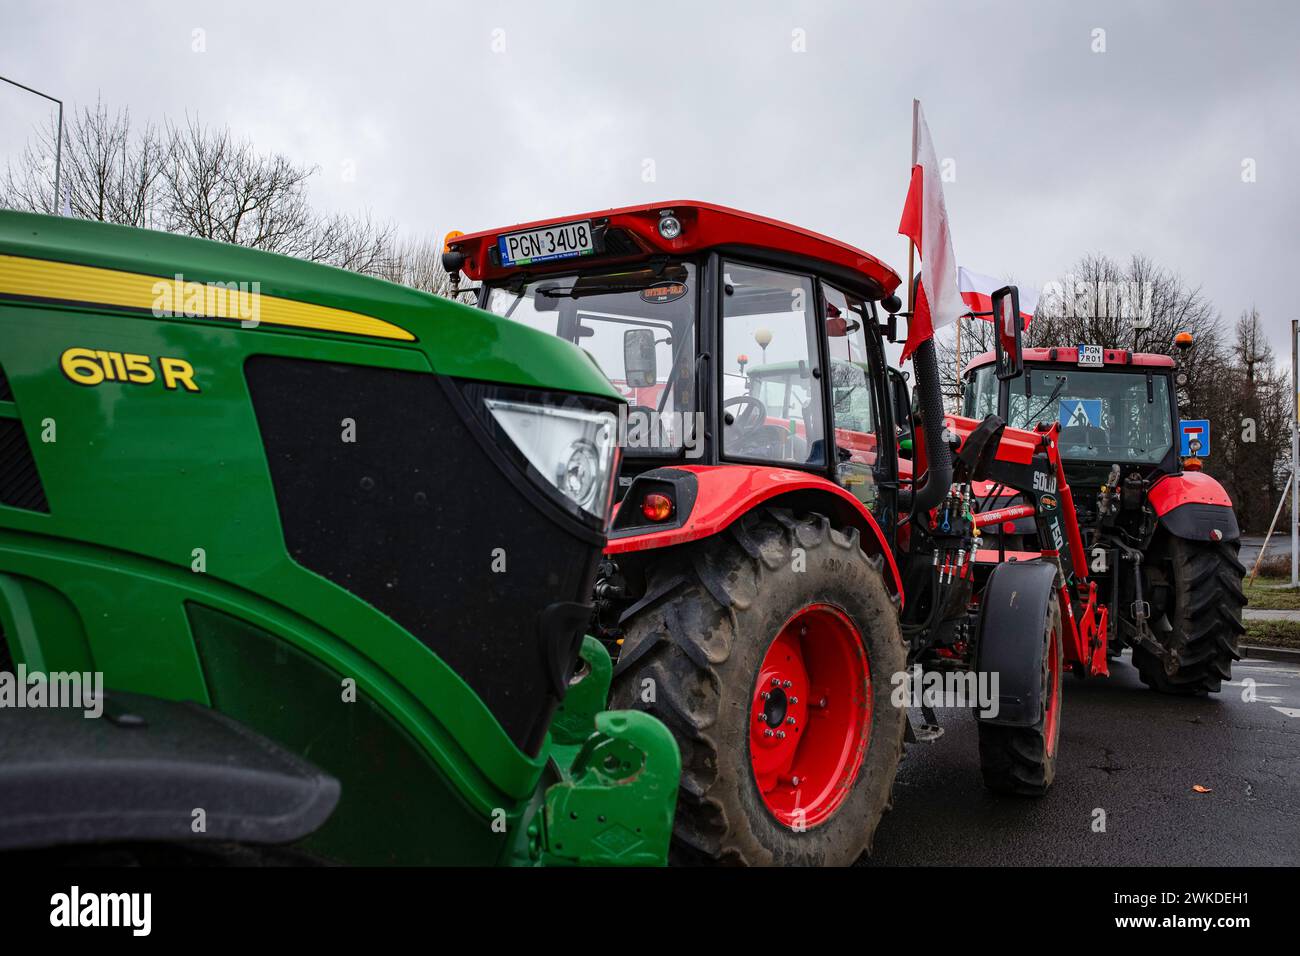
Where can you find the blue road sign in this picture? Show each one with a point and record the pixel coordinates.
(1077, 412)
(1194, 428)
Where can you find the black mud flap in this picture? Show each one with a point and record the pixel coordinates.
(1015, 606)
(150, 770)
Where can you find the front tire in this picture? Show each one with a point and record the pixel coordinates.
(1204, 615)
(791, 608)
(1022, 760)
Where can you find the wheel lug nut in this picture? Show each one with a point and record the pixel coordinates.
(768, 732)
(780, 734)
(794, 700)
(776, 682)
(788, 684)
(762, 718)
(765, 695)
(790, 721)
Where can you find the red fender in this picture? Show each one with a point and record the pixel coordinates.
(1188, 487)
(725, 492)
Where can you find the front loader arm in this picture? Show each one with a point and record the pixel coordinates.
(1029, 463)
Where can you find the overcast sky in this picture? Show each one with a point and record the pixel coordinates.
(472, 115)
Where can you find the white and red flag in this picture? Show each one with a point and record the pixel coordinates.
(977, 292)
(925, 222)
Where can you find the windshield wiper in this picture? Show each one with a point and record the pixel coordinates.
(1060, 385)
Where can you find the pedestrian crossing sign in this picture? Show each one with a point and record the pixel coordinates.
(1080, 412)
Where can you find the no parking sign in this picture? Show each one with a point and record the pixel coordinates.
(1197, 429)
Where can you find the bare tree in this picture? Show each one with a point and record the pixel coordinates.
(110, 172)
(417, 262)
(1252, 406)
(193, 180)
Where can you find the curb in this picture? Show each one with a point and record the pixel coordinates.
(1269, 653)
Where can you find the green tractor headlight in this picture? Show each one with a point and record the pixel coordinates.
(573, 448)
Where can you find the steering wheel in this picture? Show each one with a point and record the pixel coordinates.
(751, 417)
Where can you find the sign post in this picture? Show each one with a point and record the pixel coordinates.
(1295, 452)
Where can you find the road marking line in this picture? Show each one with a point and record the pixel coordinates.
(1288, 711)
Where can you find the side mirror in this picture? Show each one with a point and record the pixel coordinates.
(892, 305)
(1006, 314)
(639, 361)
(901, 398)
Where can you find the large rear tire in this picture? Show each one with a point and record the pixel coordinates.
(1204, 615)
(769, 652)
(1022, 760)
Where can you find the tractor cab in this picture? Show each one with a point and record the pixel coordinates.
(734, 338)
(1114, 407)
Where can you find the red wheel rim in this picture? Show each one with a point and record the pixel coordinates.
(1052, 717)
(810, 718)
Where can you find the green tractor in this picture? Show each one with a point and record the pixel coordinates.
(308, 557)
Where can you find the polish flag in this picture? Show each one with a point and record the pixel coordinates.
(925, 222)
(977, 292)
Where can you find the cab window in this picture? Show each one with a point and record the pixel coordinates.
(771, 393)
(853, 412)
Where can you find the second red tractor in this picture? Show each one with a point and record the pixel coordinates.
(1160, 534)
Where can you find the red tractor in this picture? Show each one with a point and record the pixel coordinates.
(1161, 535)
(775, 574)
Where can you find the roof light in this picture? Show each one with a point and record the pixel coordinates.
(1183, 340)
(451, 237)
(670, 227)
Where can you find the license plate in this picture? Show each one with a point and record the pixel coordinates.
(1090, 356)
(550, 242)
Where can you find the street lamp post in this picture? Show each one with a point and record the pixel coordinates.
(58, 145)
(1295, 452)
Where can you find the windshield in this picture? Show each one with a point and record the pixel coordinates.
(597, 311)
(1104, 415)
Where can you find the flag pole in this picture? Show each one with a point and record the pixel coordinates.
(911, 246)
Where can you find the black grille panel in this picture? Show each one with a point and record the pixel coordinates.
(407, 517)
(20, 485)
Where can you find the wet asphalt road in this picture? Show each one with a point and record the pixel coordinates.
(1133, 753)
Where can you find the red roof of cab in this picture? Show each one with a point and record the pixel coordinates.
(1069, 355)
(704, 226)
